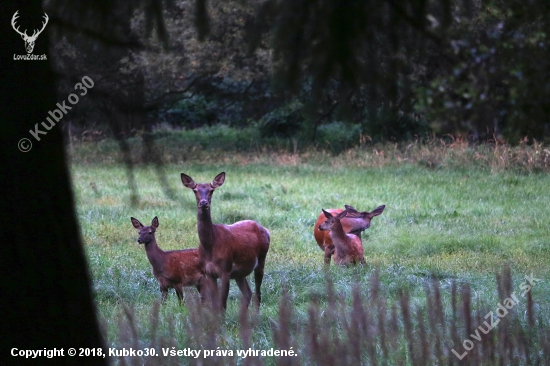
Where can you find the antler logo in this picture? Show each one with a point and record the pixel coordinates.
(29, 40)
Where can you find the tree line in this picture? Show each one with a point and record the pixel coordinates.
(397, 69)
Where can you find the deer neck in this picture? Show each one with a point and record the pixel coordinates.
(339, 238)
(205, 229)
(154, 254)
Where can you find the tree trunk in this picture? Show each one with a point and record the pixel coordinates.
(45, 285)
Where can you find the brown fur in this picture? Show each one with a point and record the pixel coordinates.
(228, 251)
(354, 223)
(348, 248)
(173, 268)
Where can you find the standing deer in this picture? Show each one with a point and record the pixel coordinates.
(173, 268)
(354, 223)
(347, 247)
(228, 251)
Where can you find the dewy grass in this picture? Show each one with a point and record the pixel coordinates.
(446, 230)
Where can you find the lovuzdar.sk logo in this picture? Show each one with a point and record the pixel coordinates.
(29, 40)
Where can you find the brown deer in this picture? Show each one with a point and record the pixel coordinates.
(228, 251)
(348, 248)
(173, 268)
(354, 223)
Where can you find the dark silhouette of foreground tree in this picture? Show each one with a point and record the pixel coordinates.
(46, 298)
(46, 293)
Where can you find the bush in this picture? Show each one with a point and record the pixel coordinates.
(285, 122)
(190, 113)
(404, 127)
(339, 136)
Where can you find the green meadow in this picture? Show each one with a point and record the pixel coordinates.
(454, 224)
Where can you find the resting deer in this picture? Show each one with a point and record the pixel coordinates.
(173, 268)
(354, 223)
(347, 247)
(228, 251)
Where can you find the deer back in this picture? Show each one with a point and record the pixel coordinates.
(243, 243)
(182, 266)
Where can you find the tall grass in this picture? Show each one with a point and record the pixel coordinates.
(361, 329)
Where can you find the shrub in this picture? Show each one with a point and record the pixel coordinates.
(285, 121)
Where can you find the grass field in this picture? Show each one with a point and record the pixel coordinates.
(455, 223)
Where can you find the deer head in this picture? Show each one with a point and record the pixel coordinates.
(203, 191)
(29, 40)
(362, 219)
(146, 233)
(332, 220)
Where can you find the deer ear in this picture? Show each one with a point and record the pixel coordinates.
(376, 212)
(342, 214)
(136, 223)
(155, 223)
(218, 180)
(327, 214)
(188, 181)
(350, 209)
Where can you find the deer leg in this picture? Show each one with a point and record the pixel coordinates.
(329, 250)
(164, 292)
(245, 290)
(225, 289)
(200, 289)
(179, 292)
(258, 278)
(209, 286)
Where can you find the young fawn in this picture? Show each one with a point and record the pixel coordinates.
(228, 251)
(347, 247)
(353, 223)
(173, 268)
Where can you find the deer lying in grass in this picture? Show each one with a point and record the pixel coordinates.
(173, 268)
(228, 251)
(348, 248)
(354, 223)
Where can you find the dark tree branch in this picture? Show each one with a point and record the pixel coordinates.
(158, 101)
(245, 92)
